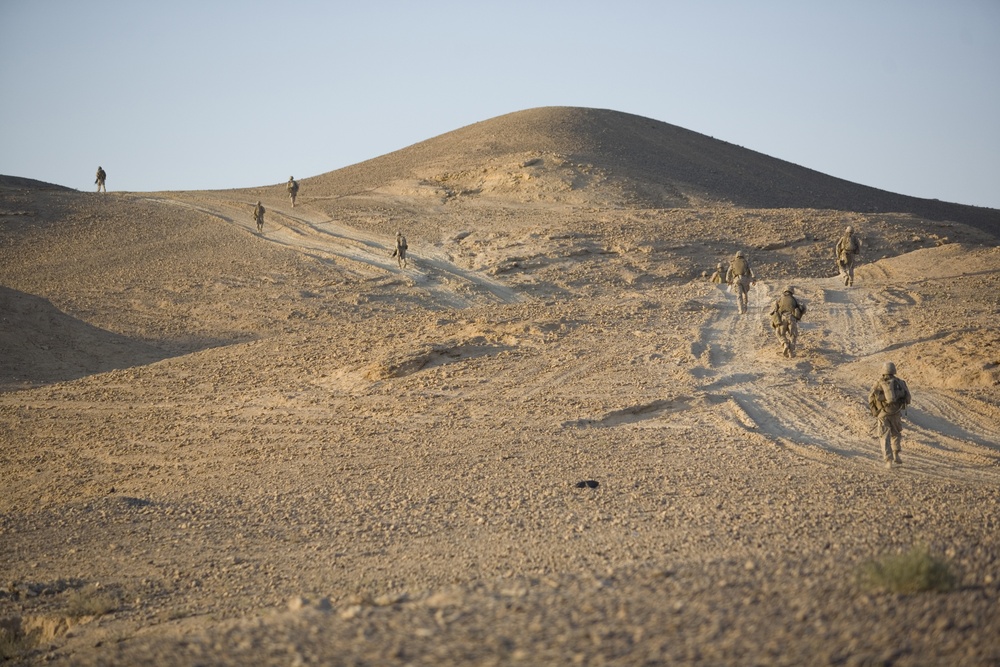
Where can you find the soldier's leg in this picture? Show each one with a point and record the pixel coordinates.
(884, 438)
(785, 343)
(896, 435)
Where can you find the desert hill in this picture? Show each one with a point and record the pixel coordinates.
(619, 159)
(547, 439)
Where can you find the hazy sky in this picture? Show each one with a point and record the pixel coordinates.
(900, 95)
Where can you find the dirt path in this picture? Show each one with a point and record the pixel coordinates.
(364, 255)
(798, 403)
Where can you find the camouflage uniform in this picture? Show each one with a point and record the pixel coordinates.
(888, 412)
(848, 247)
(258, 216)
(400, 252)
(717, 276)
(785, 316)
(293, 190)
(740, 277)
(101, 177)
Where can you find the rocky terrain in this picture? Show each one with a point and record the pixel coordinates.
(548, 440)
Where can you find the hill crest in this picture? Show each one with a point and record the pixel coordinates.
(616, 158)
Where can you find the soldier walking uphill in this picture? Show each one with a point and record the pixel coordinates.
(886, 401)
(785, 316)
(740, 277)
(400, 252)
(848, 248)
(258, 216)
(293, 190)
(716, 278)
(101, 177)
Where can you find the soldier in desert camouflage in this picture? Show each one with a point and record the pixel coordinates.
(886, 401)
(258, 216)
(740, 277)
(785, 316)
(400, 251)
(101, 177)
(848, 248)
(717, 276)
(293, 190)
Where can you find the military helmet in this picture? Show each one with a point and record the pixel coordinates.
(889, 368)
(849, 230)
(739, 253)
(789, 290)
(719, 265)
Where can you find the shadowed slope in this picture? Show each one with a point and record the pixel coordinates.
(649, 163)
(42, 344)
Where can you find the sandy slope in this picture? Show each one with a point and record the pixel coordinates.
(209, 423)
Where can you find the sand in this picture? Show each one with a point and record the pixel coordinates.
(229, 448)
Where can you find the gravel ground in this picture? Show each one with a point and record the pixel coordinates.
(549, 440)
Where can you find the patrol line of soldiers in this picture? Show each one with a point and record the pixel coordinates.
(399, 251)
(787, 310)
(259, 210)
(888, 398)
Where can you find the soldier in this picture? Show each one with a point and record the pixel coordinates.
(887, 399)
(400, 252)
(717, 276)
(740, 277)
(293, 190)
(848, 247)
(258, 216)
(101, 177)
(785, 316)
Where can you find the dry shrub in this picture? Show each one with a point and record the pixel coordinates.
(90, 602)
(912, 571)
(15, 641)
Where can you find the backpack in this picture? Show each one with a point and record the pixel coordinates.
(893, 390)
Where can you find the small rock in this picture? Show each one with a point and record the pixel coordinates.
(351, 612)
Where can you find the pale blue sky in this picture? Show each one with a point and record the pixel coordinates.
(900, 95)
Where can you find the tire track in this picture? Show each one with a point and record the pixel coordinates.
(807, 406)
(367, 255)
